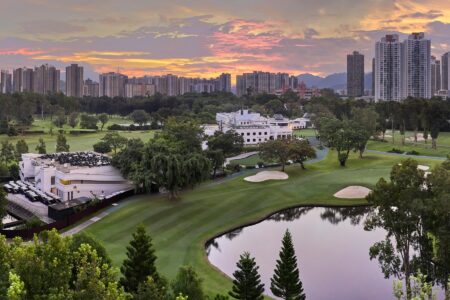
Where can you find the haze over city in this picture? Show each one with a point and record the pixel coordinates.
(206, 38)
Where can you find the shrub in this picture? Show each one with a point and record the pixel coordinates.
(413, 152)
(102, 147)
(395, 150)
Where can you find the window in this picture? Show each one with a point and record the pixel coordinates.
(248, 133)
(248, 140)
(259, 133)
(254, 133)
(52, 180)
(254, 140)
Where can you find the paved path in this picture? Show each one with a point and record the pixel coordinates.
(85, 224)
(38, 209)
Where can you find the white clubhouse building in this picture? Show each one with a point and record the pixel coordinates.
(73, 175)
(253, 127)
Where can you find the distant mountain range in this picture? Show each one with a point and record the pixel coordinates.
(336, 81)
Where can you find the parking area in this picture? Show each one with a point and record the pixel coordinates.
(38, 209)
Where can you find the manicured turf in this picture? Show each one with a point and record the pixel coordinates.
(249, 161)
(305, 132)
(443, 144)
(181, 228)
(80, 142)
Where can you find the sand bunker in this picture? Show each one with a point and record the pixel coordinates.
(423, 168)
(267, 175)
(353, 192)
(420, 138)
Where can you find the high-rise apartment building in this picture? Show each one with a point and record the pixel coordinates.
(416, 69)
(90, 88)
(5, 82)
(388, 68)
(435, 76)
(373, 77)
(445, 78)
(139, 90)
(112, 85)
(17, 80)
(46, 80)
(224, 83)
(74, 81)
(355, 74)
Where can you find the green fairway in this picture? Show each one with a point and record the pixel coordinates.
(443, 144)
(79, 142)
(181, 228)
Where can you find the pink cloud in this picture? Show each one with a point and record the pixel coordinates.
(21, 51)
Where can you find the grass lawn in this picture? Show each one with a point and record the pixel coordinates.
(443, 144)
(181, 228)
(80, 142)
(248, 161)
(309, 132)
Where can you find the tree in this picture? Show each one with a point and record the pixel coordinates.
(40, 147)
(286, 283)
(247, 282)
(275, 151)
(60, 119)
(115, 140)
(85, 238)
(151, 290)
(129, 159)
(21, 148)
(222, 145)
(188, 283)
(300, 151)
(365, 122)
(182, 135)
(61, 143)
(140, 117)
(73, 119)
(16, 290)
(7, 153)
(140, 261)
(88, 121)
(340, 135)
(436, 117)
(14, 171)
(102, 147)
(103, 118)
(397, 210)
(95, 279)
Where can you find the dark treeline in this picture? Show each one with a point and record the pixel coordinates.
(19, 109)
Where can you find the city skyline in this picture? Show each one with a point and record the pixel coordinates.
(207, 38)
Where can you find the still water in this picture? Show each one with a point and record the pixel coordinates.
(332, 250)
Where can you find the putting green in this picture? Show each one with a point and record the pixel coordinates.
(180, 228)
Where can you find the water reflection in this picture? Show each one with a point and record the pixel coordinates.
(331, 246)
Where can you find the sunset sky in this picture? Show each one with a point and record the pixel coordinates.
(206, 38)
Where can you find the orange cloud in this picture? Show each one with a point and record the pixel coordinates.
(21, 51)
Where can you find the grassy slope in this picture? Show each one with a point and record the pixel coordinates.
(181, 228)
(443, 143)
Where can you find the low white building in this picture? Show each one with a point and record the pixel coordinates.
(73, 175)
(300, 123)
(253, 127)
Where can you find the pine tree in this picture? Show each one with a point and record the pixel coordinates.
(247, 282)
(286, 283)
(140, 261)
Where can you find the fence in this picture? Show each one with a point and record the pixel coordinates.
(69, 220)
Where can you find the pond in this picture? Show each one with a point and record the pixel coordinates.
(332, 249)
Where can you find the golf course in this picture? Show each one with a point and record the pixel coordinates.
(181, 228)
